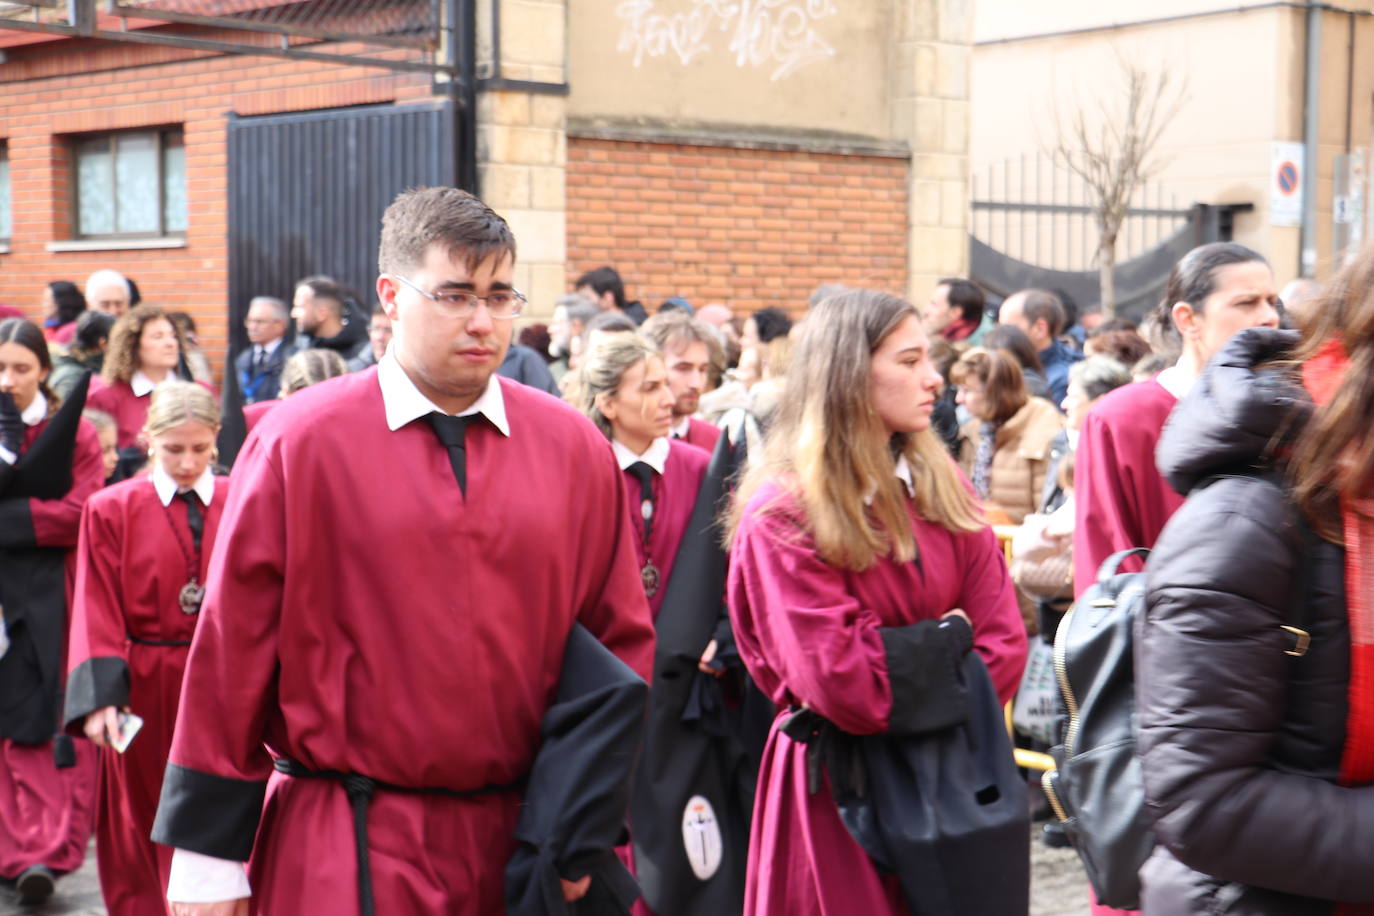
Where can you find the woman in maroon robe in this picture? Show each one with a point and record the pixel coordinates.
(145, 545)
(50, 464)
(855, 524)
(144, 351)
(624, 390)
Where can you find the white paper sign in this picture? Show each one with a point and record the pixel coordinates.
(1286, 184)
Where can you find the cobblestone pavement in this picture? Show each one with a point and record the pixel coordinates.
(1058, 888)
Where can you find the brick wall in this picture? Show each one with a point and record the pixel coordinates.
(749, 227)
(52, 90)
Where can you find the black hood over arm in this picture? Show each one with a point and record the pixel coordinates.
(1236, 413)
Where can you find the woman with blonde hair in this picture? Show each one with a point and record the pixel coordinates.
(623, 389)
(144, 351)
(1006, 448)
(301, 370)
(860, 566)
(141, 570)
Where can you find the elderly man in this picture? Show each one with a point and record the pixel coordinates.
(108, 291)
(259, 366)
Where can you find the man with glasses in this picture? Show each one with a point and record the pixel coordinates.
(259, 366)
(401, 697)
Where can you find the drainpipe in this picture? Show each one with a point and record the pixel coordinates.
(1308, 244)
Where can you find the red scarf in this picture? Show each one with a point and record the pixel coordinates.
(1322, 376)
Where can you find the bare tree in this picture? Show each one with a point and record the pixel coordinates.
(1111, 146)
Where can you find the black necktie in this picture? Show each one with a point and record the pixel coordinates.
(451, 431)
(260, 361)
(645, 475)
(195, 518)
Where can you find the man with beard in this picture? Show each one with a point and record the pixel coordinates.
(695, 361)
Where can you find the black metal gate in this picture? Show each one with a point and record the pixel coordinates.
(1033, 226)
(307, 192)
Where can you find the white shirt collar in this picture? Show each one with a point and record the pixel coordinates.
(37, 411)
(166, 487)
(404, 403)
(269, 348)
(142, 385)
(902, 471)
(1175, 381)
(682, 429)
(655, 456)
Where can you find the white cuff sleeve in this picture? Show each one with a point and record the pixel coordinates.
(199, 878)
(7, 456)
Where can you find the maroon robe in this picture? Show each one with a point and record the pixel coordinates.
(131, 565)
(701, 434)
(253, 413)
(429, 666)
(1121, 500)
(809, 633)
(130, 411)
(46, 813)
(675, 494)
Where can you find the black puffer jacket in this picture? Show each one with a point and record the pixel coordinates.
(1241, 744)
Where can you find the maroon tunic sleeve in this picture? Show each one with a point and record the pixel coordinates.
(802, 633)
(56, 522)
(97, 657)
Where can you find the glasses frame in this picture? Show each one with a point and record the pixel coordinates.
(459, 312)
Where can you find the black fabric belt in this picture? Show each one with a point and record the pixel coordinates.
(138, 640)
(360, 790)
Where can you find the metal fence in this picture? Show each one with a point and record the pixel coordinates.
(1035, 211)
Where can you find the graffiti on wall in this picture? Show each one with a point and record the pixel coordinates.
(781, 35)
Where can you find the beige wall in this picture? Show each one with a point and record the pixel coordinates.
(799, 65)
(1244, 74)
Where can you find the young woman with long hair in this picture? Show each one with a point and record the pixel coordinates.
(1254, 657)
(145, 548)
(50, 464)
(854, 527)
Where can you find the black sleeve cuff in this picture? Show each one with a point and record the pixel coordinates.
(923, 665)
(212, 815)
(16, 523)
(95, 684)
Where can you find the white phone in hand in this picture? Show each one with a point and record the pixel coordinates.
(129, 724)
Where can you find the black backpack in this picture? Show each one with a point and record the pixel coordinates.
(1096, 789)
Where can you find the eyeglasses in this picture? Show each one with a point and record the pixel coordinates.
(503, 303)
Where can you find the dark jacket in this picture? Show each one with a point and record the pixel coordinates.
(348, 343)
(527, 367)
(264, 384)
(1241, 744)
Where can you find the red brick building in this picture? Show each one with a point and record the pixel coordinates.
(747, 169)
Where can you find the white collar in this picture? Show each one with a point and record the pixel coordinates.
(167, 488)
(142, 385)
(270, 347)
(902, 471)
(404, 403)
(1175, 381)
(682, 430)
(37, 411)
(655, 456)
